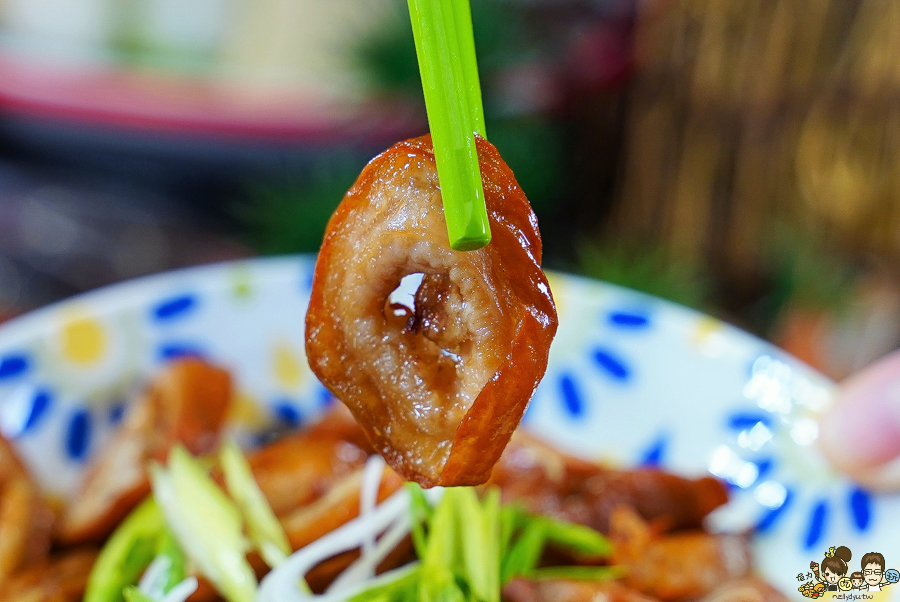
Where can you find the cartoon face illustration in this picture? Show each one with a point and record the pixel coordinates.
(834, 565)
(873, 568)
(856, 579)
(872, 573)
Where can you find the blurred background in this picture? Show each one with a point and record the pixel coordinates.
(738, 156)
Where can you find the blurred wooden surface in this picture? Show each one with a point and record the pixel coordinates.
(749, 115)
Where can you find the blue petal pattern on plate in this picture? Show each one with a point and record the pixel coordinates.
(817, 521)
(287, 413)
(625, 319)
(116, 412)
(655, 453)
(40, 403)
(171, 351)
(175, 307)
(860, 502)
(78, 434)
(13, 365)
(570, 395)
(631, 379)
(745, 420)
(610, 363)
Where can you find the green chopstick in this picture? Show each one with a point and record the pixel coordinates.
(445, 47)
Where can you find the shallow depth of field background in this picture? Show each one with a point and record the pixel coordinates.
(738, 156)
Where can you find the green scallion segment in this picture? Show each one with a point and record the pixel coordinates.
(445, 48)
(470, 547)
(126, 554)
(206, 523)
(266, 533)
(133, 594)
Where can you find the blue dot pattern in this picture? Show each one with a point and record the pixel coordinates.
(174, 307)
(287, 413)
(172, 351)
(655, 453)
(40, 403)
(78, 435)
(860, 508)
(817, 524)
(612, 365)
(763, 467)
(624, 319)
(116, 412)
(13, 365)
(740, 421)
(771, 516)
(571, 398)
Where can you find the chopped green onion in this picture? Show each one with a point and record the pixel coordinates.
(421, 512)
(580, 540)
(445, 48)
(535, 532)
(402, 589)
(469, 548)
(479, 531)
(511, 517)
(133, 594)
(168, 548)
(525, 553)
(126, 554)
(266, 532)
(441, 551)
(206, 524)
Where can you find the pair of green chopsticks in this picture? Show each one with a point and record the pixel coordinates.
(445, 47)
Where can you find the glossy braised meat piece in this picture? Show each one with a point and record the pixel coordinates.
(547, 481)
(59, 579)
(304, 465)
(438, 388)
(312, 521)
(187, 403)
(26, 522)
(678, 566)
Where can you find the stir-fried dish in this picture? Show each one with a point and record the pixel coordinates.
(363, 504)
(565, 529)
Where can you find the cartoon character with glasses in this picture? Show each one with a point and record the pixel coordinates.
(874, 573)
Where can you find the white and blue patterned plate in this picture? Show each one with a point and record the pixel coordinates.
(632, 380)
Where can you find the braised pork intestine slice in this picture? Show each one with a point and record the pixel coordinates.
(25, 519)
(440, 388)
(186, 403)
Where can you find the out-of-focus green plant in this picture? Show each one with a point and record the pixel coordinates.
(646, 269)
(533, 148)
(532, 144)
(386, 58)
(808, 275)
(290, 216)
